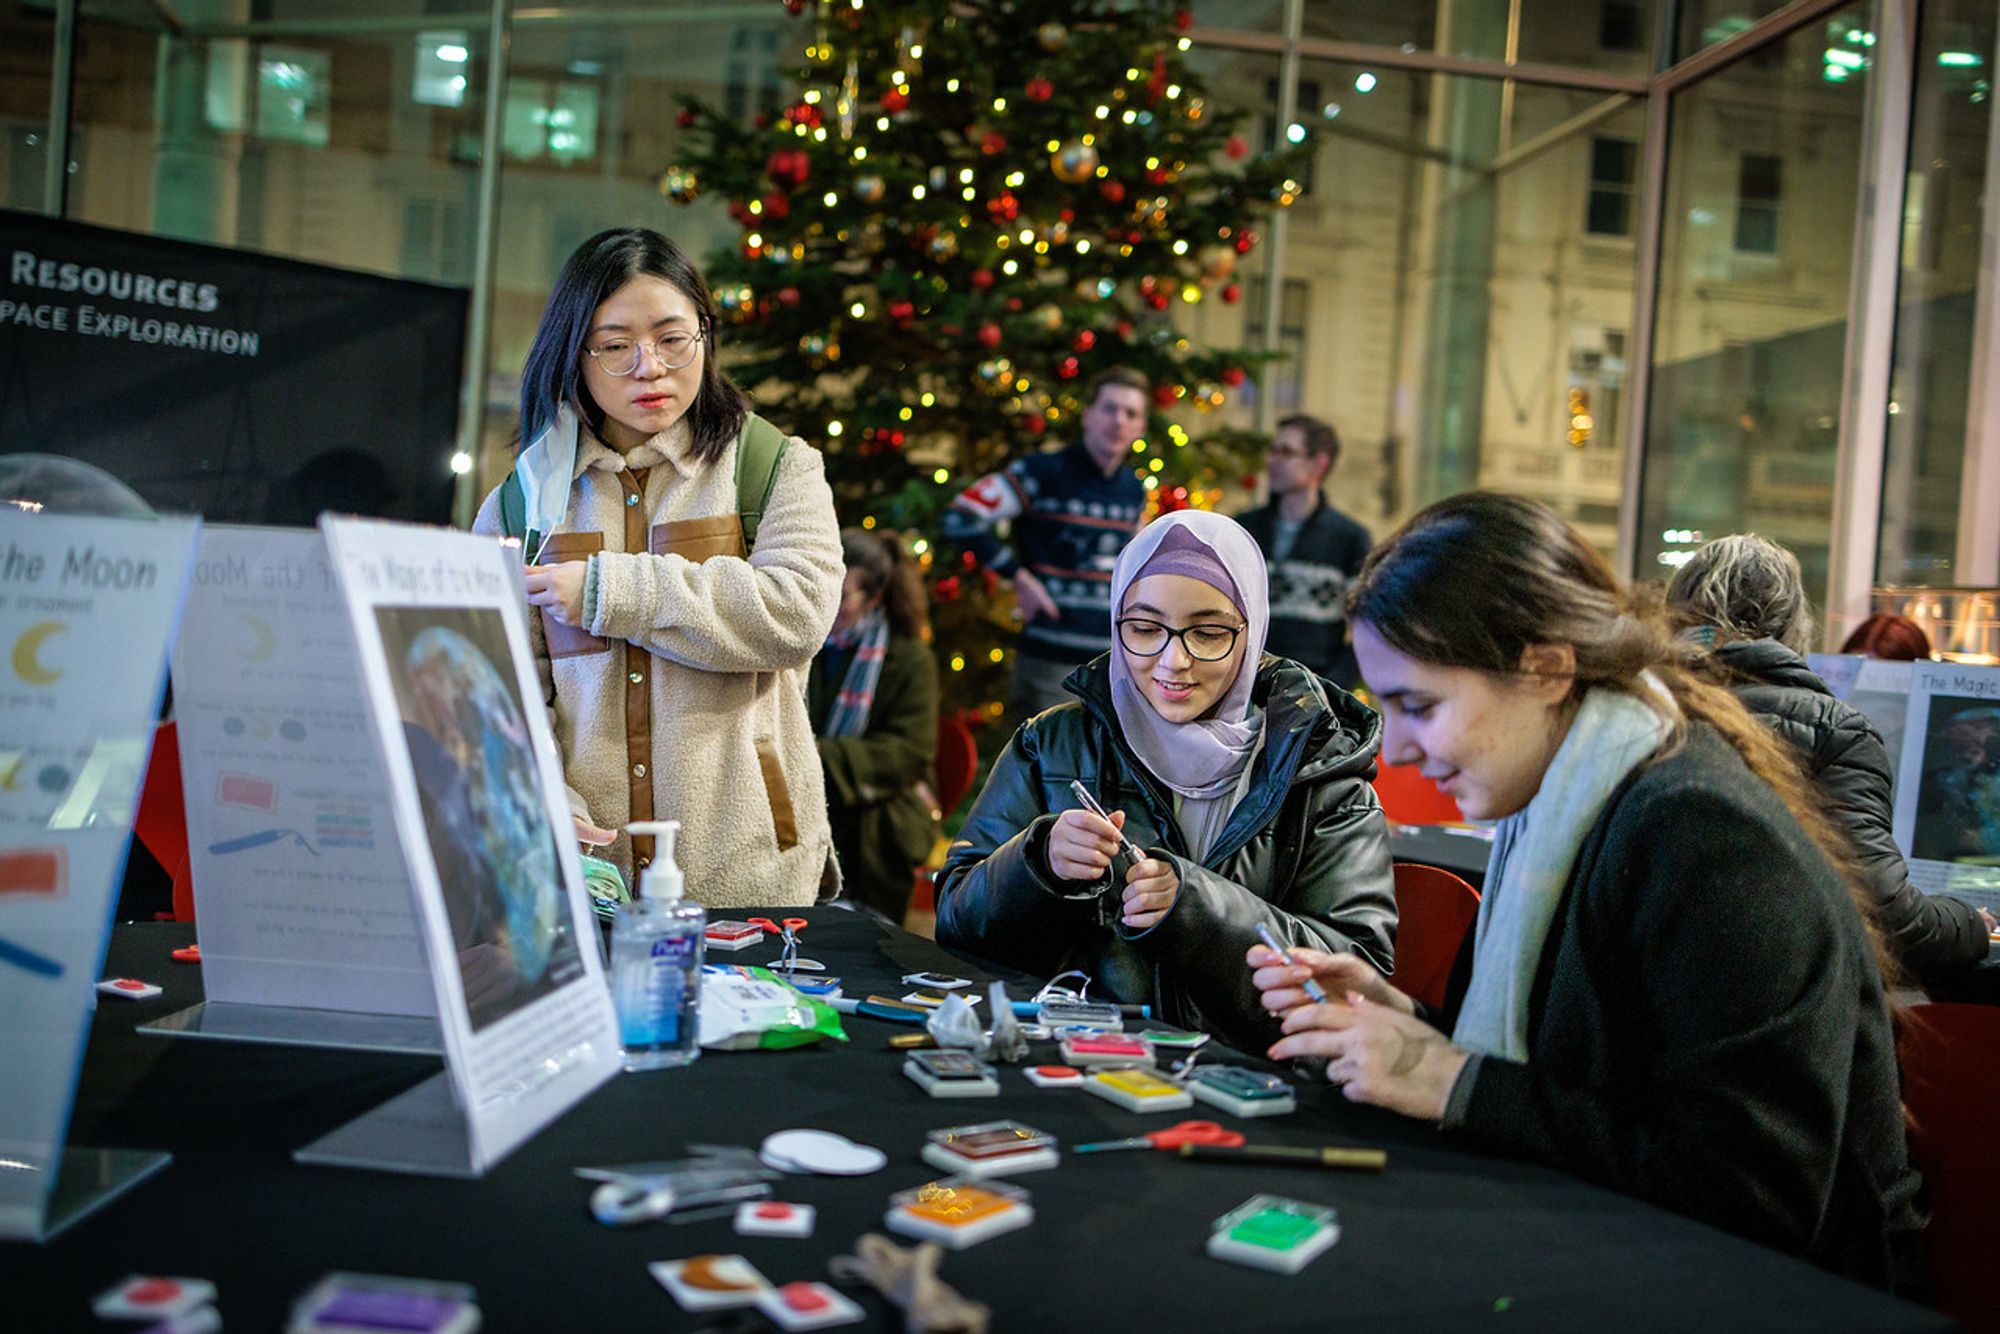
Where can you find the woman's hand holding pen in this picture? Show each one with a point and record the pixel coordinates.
(1150, 888)
(559, 588)
(1338, 974)
(1081, 844)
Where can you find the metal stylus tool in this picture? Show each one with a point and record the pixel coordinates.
(1126, 848)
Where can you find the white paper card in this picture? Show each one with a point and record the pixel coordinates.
(1839, 670)
(441, 634)
(87, 608)
(1947, 817)
(301, 895)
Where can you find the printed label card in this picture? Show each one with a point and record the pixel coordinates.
(1947, 817)
(87, 608)
(478, 798)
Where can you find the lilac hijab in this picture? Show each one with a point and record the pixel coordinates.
(1203, 760)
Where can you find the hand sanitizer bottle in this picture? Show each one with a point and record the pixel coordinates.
(657, 944)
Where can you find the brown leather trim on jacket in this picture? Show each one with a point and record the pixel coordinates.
(783, 822)
(570, 641)
(638, 691)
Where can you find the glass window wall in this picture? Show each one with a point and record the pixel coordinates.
(1931, 375)
(1755, 268)
(27, 54)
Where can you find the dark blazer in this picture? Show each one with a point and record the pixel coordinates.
(1935, 937)
(1707, 1029)
(1305, 852)
(882, 826)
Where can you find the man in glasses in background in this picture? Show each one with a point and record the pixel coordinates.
(1311, 548)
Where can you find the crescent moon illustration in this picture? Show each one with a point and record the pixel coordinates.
(27, 664)
(263, 641)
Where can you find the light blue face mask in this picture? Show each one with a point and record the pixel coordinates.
(546, 468)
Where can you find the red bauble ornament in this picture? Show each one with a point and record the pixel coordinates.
(902, 312)
(988, 335)
(788, 296)
(1237, 148)
(1067, 215)
(684, 117)
(947, 588)
(1232, 376)
(1114, 191)
(1158, 176)
(895, 100)
(1014, 303)
(1125, 329)
(989, 581)
(1248, 481)
(1244, 240)
(1148, 285)
(740, 213)
(982, 279)
(1033, 424)
(1183, 19)
(1232, 294)
(1003, 208)
(1156, 87)
(1164, 395)
(1158, 301)
(993, 142)
(789, 167)
(1067, 368)
(803, 113)
(761, 121)
(1039, 89)
(1084, 341)
(795, 6)
(777, 207)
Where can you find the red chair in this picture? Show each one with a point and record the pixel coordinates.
(1433, 910)
(957, 762)
(1950, 1055)
(161, 821)
(1408, 797)
(956, 765)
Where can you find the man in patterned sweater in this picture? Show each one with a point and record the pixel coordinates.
(1072, 511)
(1312, 549)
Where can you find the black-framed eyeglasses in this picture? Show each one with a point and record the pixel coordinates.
(1206, 642)
(624, 356)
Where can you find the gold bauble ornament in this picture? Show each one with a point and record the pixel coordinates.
(1074, 162)
(869, 189)
(680, 185)
(944, 245)
(1049, 316)
(1053, 36)
(1217, 262)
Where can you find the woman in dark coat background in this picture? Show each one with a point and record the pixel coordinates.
(1744, 597)
(872, 695)
(1671, 990)
(1243, 778)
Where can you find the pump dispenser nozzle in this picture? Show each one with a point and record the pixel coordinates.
(662, 879)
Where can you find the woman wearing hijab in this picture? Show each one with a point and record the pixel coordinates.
(1241, 779)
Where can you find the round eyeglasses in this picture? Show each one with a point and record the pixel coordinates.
(624, 356)
(1204, 643)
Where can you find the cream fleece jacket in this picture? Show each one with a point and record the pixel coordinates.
(727, 644)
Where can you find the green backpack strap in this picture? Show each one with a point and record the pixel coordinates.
(758, 452)
(513, 507)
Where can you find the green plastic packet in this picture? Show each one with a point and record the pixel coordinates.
(744, 1008)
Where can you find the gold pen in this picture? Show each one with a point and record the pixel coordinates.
(1353, 1160)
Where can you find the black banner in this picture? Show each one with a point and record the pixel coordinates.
(245, 388)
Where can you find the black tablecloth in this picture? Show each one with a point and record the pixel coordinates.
(1443, 1239)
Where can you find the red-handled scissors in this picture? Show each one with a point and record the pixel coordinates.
(1187, 1132)
(784, 928)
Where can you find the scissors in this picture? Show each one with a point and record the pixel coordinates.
(1186, 1132)
(789, 929)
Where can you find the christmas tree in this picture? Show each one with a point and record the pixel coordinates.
(966, 211)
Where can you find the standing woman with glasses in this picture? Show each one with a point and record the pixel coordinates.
(1241, 780)
(685, 559)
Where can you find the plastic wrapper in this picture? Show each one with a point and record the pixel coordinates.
(743, 1009)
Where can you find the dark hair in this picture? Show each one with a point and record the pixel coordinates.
(1474, 580)
(1118, 375)
(1320, 437)
(890, 571)
(1747, 587)
(600, 266)
(1887, 635)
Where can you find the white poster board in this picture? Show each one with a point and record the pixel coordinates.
(1948, 792)
(87, 607)
(1839, 670)
(302, 897)
(477, 789)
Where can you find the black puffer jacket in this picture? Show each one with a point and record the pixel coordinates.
(1935, 937)
(1306, 852)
